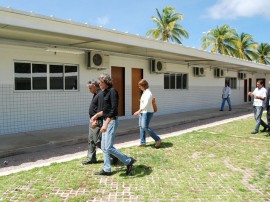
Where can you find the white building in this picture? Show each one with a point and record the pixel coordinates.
(46, 62)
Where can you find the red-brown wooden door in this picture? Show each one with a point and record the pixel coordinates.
(137, 75)
(118, 78)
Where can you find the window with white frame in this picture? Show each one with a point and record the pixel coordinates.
(42, 76)
(232, 82)
(175, 81)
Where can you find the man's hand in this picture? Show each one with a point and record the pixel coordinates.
(94, 118)
(104, 128)
(94, 124)
(137, 113)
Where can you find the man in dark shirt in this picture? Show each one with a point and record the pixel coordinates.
(110, 123)
(267, 106)
(94, 137)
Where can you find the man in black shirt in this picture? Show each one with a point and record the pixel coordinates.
(110, 123)
(94, 137)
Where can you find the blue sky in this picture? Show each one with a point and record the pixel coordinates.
(134, 17)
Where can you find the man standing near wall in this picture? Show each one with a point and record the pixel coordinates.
(226, 96)
(259, 96)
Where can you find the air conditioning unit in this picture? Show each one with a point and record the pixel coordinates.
(219, 72)
(198, 71)
(242, 75)
(97, 60)
(157, 66)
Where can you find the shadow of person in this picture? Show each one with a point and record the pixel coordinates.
(163, 145)
(138, 171)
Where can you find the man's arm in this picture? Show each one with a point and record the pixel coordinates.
(96, 116)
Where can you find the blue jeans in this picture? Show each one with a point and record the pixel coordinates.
(107, 142)
(258, 117)
(144, 121)
(223, 103)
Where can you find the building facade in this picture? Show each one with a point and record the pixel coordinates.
(45, 64)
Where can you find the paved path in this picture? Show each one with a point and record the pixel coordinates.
(61, 147)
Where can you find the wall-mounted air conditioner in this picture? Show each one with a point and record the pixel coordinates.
(219, 72)
(157, 66)
(97, 60)
(198, 71)
(242, 75)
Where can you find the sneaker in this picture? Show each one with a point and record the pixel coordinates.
(102, 172)
(88, 162)
(254, 132)
(129, 166)
(158, 143)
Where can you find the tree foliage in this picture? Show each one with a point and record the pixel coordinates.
(221, 40)
(227, 41)
(263, 54)
(168, 28)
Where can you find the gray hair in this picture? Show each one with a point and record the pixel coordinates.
(93, 82)
(106, 78)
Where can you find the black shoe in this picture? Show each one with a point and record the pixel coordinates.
(102, 172)
(254, 132)
(264, 129)
(129, 166)
(88, 162)
(114, 161)
(221, 110)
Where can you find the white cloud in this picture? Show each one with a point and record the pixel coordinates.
(103, 20)
(225, 9)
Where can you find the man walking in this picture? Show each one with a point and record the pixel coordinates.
(110, 123)
(226, 96)
(259, 95)
(94, 136)
(267, 106)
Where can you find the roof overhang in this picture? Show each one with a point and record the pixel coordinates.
(43, 32)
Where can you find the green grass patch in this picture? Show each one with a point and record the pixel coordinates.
(221, 163)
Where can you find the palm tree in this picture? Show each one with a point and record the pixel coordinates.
(167, 26)
(245, 47)
(222, 39)
(263, 53)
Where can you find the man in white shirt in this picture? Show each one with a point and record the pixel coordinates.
(226, 96)
(258, 103)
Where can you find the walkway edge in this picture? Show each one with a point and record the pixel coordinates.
(69, 157)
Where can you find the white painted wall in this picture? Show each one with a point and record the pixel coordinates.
(36, 110)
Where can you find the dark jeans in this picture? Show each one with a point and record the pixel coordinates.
(268, 116)
(258, 117)
(223, 103)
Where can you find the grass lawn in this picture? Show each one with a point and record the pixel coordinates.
(222, 163)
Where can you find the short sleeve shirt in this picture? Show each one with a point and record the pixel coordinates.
(259, 92)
